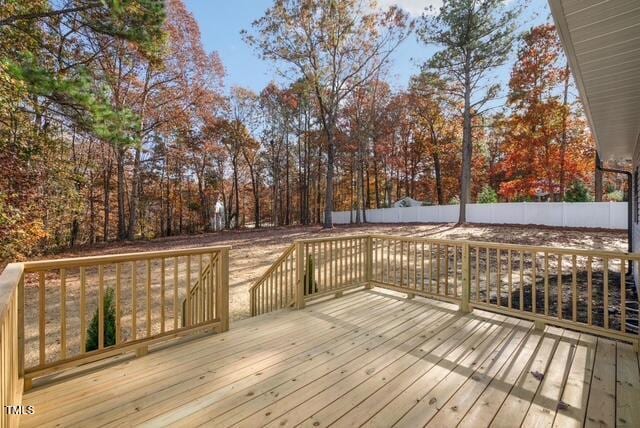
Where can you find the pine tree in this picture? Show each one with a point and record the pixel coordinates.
(109, 307)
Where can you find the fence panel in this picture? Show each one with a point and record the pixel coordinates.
(605, 215)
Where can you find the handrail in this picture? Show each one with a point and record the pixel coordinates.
(539, 248)
(115, 258)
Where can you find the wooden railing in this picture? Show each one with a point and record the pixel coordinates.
(332, 265)
(276, 287)
(579, 289)
(199, 305)
(583, 290)
(311, 268)
(427, 267)
(11, 386)
(63, 313)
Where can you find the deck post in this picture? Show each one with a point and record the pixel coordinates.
(224, 288)
(466, 280)
(299, 276)
(141, 351)
(369, 262)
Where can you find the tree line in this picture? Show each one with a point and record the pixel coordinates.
(116, 123)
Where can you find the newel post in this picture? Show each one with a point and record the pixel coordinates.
(222, 302)
(466, 280)
(299, 275)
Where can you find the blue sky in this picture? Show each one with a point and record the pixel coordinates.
(222, 20)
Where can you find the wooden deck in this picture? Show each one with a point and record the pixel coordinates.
(368, 358)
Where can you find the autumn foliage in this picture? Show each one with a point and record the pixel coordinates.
(126, 130)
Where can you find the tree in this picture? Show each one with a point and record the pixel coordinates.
(546, 143)
(477, 37)
(336, 46)
(109, 311)
(578, 192)
(433, 114)
(487, 196)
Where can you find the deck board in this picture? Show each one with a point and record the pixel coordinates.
(368, 358)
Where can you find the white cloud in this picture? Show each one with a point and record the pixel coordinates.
(413, 7)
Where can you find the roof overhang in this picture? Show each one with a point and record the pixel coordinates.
(602, 41)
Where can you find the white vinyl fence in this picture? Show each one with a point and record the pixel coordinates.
(606, 215)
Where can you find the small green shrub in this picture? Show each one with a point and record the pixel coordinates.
(487, 196)
(109, 323)
(454, 201)
(616, 196)
(578, 192)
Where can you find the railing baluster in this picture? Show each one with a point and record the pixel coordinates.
(332, 284)
(534, 281)
(521, 280)
(187, 314)
(63, 314)
(574, 288)
(148, 278)
(438, 268)
(623, 298)
(134, 300)
(510, 279)
(446, 270)
(422, 266)
(455, 271)
(488, 276)
(101, 307)
(199, 311)
(589, 291)
(559, 286)
(118, 304)
(605, 293)
(83, 308)
(162, 283)
(41, 317)
(430, 267)
(175, 294)
(415, 265)
(498, 278)
(546, 283)
(478, 274)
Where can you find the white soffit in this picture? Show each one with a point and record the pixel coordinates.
(602, 42)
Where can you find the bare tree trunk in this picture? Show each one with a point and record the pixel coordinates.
(236, 192)
(376, 182)
(438, 171)
(135, 197)
(328, 203)
(467, 153)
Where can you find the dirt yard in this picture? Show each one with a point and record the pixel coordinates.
(253, 251)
